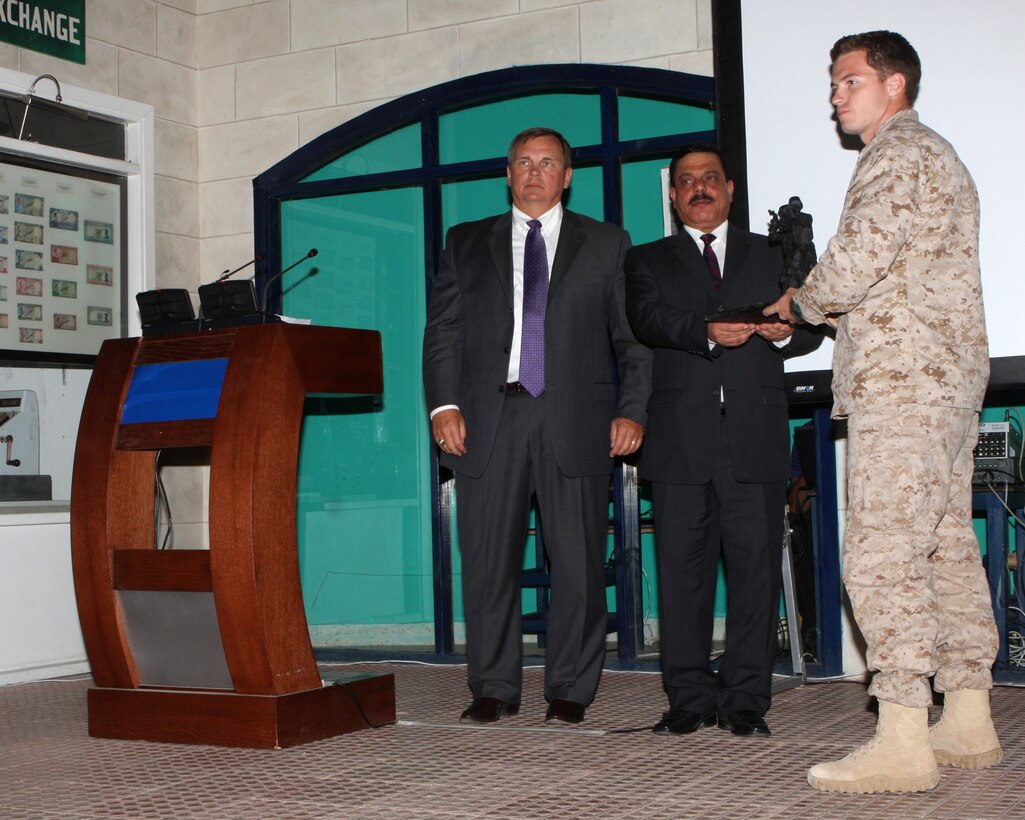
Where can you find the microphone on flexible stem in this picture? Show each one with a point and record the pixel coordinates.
(263, 299)
(228, 273)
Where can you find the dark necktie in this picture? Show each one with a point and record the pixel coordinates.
(710, 259)
(535, 297)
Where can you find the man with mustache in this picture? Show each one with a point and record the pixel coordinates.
(717, 451)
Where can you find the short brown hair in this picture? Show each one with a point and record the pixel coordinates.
(534, 133)
(888, 53)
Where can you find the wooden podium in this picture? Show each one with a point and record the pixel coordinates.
(209, 646)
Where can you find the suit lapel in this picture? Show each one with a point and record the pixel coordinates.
(571, 237)
(734, 267)
(686, 250)
(500, 243)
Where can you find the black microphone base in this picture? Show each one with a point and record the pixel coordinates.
(237, 321)
(194, 325)
(163, 328)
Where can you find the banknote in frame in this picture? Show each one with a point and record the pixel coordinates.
(101, 316)
(64, 219)
(28, 312)
(28, 204)
(64, 288)
(64, 254)
(99, 232)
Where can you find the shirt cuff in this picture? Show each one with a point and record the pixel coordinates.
(437, 410)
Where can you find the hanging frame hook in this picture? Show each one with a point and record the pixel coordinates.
(27, 99)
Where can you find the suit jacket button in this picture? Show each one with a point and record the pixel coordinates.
(501, 388)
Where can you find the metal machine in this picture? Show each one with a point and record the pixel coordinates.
(19, 449)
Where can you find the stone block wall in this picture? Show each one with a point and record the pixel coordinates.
(238, 84)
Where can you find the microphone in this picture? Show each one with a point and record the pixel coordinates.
(263, 300)
(227, 273)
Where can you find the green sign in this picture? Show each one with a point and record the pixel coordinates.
(54, 27)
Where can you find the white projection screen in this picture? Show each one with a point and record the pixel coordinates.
(973, 67)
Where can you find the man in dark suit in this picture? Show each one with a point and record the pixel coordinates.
(526, 312)
(717, 451)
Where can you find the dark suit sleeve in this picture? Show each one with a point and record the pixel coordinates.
(633, 359)
(445, 333)
(653, 319)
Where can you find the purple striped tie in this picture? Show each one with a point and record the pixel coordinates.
(535, 297)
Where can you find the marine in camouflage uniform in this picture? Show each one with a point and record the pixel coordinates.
(910, 368)
(900, 282)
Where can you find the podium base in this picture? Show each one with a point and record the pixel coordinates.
(245, 721)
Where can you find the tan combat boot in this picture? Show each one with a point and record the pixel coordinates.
(964, 735)
(898, 759)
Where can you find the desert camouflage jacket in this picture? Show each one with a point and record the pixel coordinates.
(903, 272)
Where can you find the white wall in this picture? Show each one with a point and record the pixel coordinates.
(970, 93)
(41, 636)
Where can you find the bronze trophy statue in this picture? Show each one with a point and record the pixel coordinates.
(791, 228)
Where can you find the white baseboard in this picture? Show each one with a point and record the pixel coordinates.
(371, 635)
(57, 669)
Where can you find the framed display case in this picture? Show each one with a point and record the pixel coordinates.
(62, 262)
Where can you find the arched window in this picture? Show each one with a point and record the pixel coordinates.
(375, 196)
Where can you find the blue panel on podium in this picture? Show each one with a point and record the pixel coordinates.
(174, 391)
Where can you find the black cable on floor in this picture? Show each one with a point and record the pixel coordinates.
(359, 707)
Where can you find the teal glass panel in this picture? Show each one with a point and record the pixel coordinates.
(364, 512)
(645, 199)
(643, 118)
(472, 199)
(485, 131)
(397, 151)
(587, 192)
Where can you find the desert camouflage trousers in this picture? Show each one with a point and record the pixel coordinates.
(911, 561)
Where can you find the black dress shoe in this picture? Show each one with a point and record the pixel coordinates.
(487, 710)
(745, 723)
(565, 711)
(682, 722)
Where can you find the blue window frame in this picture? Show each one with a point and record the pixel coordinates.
(439, 145)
